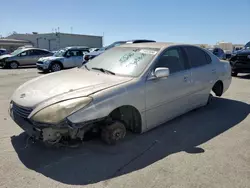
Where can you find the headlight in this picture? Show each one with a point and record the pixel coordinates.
(55, 113)
(46, 61)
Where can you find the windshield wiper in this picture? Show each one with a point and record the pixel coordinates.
(86, 67)
(103, 70)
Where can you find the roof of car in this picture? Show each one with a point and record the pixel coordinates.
(160, 45)
(150, 45)
(31, 48)
(140, 40)
(77, 47)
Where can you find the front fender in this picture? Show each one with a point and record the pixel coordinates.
(110, 99)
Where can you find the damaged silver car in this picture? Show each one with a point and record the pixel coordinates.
(133, 87)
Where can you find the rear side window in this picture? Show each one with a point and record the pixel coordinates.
(209, 60)
(197, 57)
(40, 52)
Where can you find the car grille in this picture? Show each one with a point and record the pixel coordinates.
(39, 62)
(21, 111)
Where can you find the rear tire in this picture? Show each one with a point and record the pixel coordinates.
(13, 65)
(113, 133)
(55, 67)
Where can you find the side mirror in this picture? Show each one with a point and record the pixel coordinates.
(161, 72)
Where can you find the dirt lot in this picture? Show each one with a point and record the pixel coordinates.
(209, 147)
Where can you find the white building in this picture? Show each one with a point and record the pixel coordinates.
(55, 41)
(226, 46)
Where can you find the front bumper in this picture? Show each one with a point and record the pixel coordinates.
(42, 67)
(240, 66)
(47, 132)
(26, 125)
(2, 63)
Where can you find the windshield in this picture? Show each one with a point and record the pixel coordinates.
(16, 52)
(125, 61)
(60, 53)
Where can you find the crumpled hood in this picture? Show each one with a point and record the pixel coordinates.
(64, 85)
(5, 56)
(50, 58)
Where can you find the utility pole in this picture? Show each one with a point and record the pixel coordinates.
(102, 39)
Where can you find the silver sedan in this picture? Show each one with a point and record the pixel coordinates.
(133, 87)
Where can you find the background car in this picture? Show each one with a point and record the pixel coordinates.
(93, 54)
(134, 87)
(240, 62)
(3, 51)
(94, 49)
(65, 58)
(247, 46)
(218, 52)
(22, 57)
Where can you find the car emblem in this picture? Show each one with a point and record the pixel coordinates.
(22, 95)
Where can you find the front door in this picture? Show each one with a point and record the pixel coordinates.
(168, 97)
(79, 58)
(70, 59)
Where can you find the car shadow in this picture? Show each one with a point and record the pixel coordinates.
(21, 67)
(94, 161)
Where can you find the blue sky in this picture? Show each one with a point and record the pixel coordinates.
(189, 21)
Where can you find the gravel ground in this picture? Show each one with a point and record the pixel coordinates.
(208, 147)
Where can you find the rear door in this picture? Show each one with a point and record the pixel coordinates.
(203, 74)
(37, 54)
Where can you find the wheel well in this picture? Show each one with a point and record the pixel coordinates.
(60, 63)
(130, 116)
(218, 88)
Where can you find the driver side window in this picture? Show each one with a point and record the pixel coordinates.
(173, 59)
(25, 53)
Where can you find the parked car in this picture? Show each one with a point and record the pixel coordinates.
(218, 52)
(93, 54)
(247, 46)
(23, 56)
(65, 58)
(132, 87)
(240, 62)
(3, 51)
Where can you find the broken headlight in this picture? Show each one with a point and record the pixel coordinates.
(55, 113)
